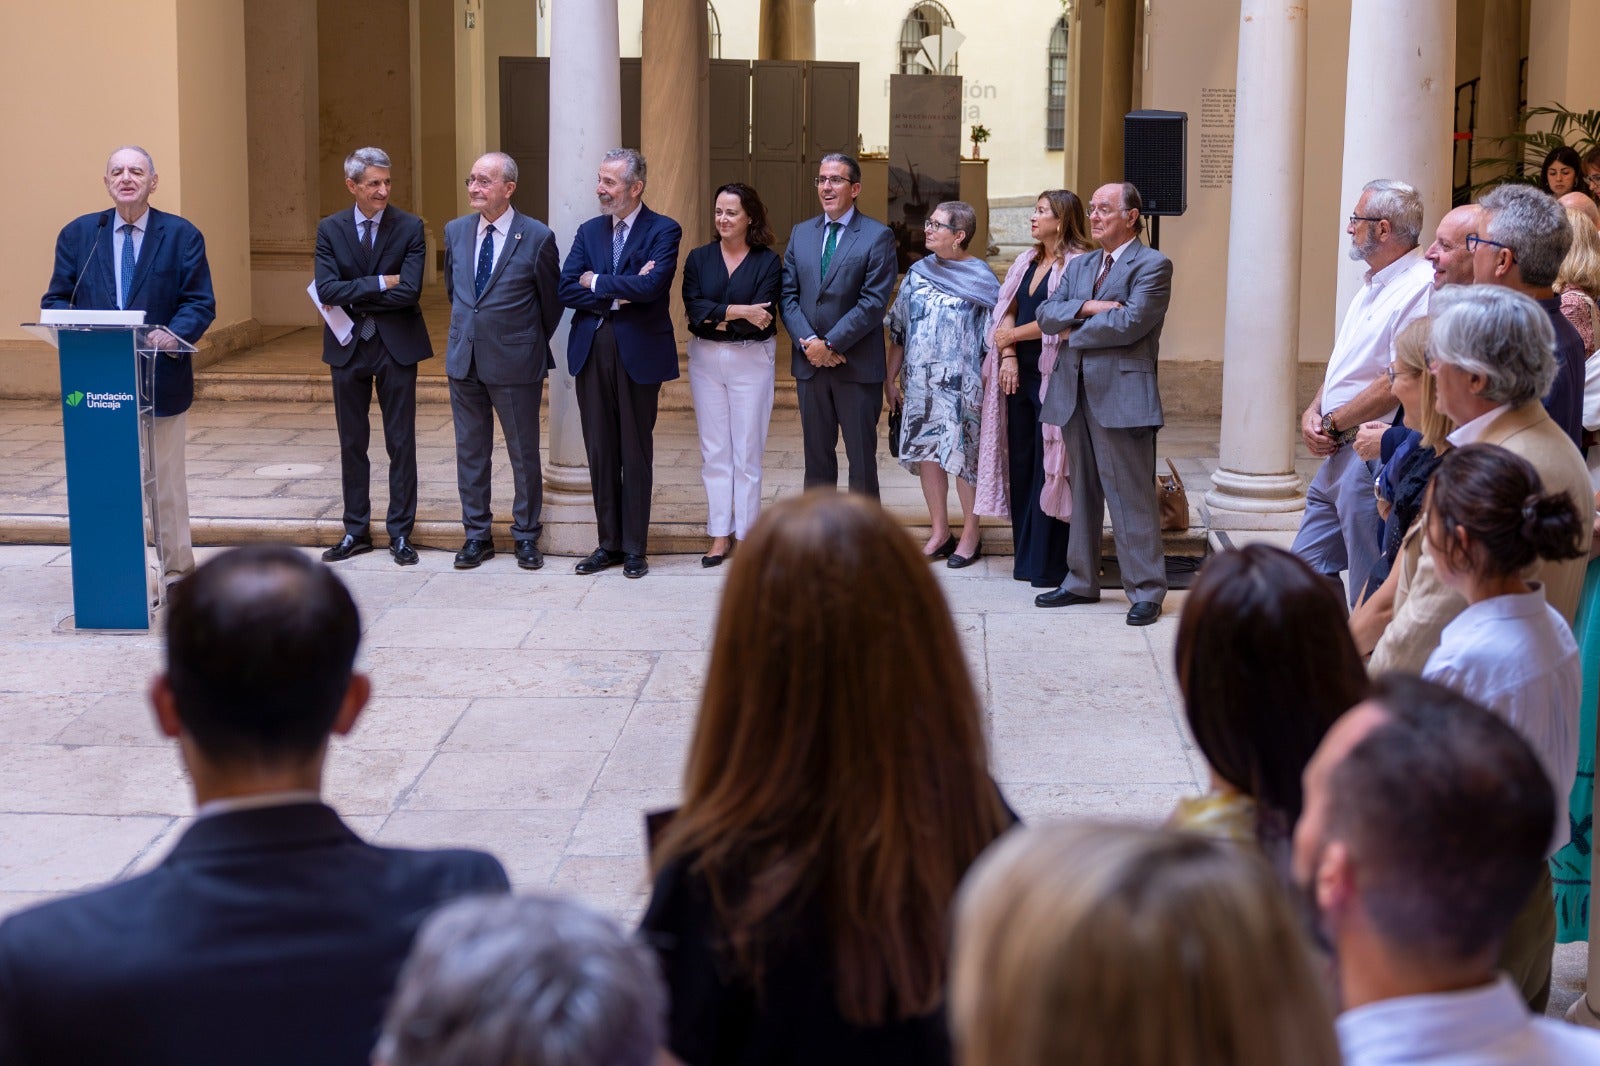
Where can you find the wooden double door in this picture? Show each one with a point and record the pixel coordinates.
(772, 121)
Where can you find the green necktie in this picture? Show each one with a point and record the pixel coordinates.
(828, 246)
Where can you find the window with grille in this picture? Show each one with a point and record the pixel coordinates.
(925, 20)
(1055, 108)
(715, 25)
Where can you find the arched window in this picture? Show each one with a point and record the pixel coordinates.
(1055, 110)
(715, 25)
(925, 20)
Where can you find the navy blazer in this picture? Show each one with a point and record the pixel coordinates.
(171, 285)
(347, 277)
(267, 936)
(643, 325)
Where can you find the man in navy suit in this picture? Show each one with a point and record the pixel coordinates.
(617, 280)
(838, 277)
(369, 262)
(133, 257)
(500, 270)
(271, 933)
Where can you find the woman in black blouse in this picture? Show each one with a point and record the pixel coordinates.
(730, 291)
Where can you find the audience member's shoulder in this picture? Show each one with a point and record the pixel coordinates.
(452, 871)
(89, 920)
(1573, 1043)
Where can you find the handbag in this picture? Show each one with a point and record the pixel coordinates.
(895, 414)
(1173, 499)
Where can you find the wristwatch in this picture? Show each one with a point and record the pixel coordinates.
(1340, 436)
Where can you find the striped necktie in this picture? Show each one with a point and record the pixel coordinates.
(1101, 278)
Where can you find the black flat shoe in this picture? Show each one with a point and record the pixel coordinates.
(712, 560)
(350, 545)
(473, 553)
(598, 560)
(957, 562)
(404, 554)
(943, 551)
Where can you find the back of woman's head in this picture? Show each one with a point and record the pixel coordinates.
(839, 754)
(1411, 352)
(1265, 662)
(1127, 946)
(1581, 268)
(1496, 498)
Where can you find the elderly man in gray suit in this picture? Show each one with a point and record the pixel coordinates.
(500, 271)
(1110, 308)
(838, 276)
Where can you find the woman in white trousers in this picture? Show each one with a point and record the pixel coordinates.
(730, 290)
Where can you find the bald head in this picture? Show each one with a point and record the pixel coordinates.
(1452, 263)
(1583, 204)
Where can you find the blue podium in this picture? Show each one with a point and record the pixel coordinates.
(107, 361)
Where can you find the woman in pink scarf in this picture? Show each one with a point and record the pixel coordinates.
(1022, 466)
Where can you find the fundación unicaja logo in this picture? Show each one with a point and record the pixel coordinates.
(74, 398)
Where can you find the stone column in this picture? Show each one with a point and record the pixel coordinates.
(1262, 325)
(675, 122)
(585, 121)
(1399, 111)
(1499, 57)
(1116, 94)
(788, 29)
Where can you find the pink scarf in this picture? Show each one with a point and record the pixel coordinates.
(993, 458)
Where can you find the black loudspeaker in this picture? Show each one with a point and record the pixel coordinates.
(1153, 155)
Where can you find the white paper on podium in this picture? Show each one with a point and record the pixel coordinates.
(335, 317)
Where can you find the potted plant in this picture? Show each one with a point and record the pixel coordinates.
(979, 135)
(1525, 149)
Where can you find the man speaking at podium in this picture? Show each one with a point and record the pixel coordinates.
(135, 258)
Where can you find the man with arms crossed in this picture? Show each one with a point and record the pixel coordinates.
(133, 257)
(369, 262)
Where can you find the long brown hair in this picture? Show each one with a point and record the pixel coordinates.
(1068, 209)
(838, 764)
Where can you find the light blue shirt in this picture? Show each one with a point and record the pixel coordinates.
(1488, 1026)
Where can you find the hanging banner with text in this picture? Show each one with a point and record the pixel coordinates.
(924, 154)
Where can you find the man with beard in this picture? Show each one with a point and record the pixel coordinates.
(1426, 824)
(1340, 531)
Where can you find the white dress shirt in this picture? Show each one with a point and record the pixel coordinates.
(1516, 656)
(1487, 1026)
(498, 231)
(1472, 432)
(361, 234)
(1387, 303)
(139, 226)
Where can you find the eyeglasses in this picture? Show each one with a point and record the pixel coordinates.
(832, 179)
(1473, 240)
(934, 223)
(1407, 372)
(1104, 209)
(476, 182)
(1364, 218)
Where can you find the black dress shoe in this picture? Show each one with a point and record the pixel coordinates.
(403, 552)
(945, 550)
(635, 566)
(957, 562)
(473, 553)
(1062, 598)
(1143, 613)
(529, 557)
(598, 560)
(350, 545)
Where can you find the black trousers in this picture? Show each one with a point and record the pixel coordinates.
(829, 406)
(619, 422)
(353, 384)
(1039, 541)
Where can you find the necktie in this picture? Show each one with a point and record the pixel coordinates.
(828, 246)
(127, 264)
(619, 237)
(480, 281)
(366, 238)
(1101, 277)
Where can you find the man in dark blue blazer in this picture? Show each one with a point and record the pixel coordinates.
(617, 279)
(133, 257)
(271, 934)
(370, 260)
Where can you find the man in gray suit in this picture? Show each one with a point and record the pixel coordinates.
(500, 274)
(1103, 394)
(838, 277)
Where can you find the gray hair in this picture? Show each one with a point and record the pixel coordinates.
(524, 979)
(148, 161)
(962, 218)
(849, 162)
(1498, 333)
(1400, 203)
(636, 166)
(507, 165)
(1530, 223)
(357, 162)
